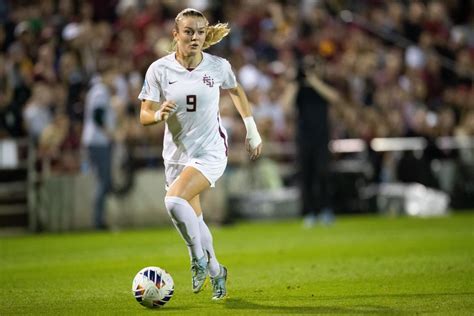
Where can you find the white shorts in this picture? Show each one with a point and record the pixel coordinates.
(212, 170)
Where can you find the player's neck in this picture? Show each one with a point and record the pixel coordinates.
(189, 62)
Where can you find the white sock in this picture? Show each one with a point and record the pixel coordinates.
(206, 242)
(186, 222)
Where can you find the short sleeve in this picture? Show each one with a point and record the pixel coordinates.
(229, 81)
(151, 87)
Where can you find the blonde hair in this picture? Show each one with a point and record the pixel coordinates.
(215, 33)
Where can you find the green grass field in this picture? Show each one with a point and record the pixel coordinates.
(369, 265)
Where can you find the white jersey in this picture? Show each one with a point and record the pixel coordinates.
(194, 130)
(98, 97)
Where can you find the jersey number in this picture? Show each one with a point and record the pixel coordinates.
(192, 101)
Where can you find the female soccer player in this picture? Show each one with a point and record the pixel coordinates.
(184, 85)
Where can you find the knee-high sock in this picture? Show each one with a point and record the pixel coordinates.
(186, 222)
(206, 242)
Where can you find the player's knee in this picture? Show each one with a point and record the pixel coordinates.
(177, 191)
(173, 204)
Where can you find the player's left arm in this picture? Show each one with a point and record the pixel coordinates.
(253, 141)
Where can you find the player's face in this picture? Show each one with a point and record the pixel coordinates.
(190, 35)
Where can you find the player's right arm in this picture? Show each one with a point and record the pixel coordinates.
(148, 114)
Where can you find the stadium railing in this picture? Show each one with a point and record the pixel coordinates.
(352, 156)
(14, 166)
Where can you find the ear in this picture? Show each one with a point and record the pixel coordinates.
(175, 34)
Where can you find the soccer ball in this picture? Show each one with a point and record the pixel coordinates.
(153, 287)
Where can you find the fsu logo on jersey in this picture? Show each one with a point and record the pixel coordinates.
(208, 81)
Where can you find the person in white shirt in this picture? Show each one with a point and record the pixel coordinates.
(184, 87)
(97, 137)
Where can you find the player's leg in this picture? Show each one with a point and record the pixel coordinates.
(189, 184)
(206, 238)
(217, 272)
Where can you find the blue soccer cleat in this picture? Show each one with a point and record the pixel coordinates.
(199, 273)
(219, 290)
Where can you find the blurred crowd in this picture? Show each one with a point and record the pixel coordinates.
(404, 68)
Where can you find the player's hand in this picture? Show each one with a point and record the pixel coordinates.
(254, 152)
(167, 108)
(253, 141)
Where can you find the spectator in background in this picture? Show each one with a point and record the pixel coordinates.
(463, 131)
(37, 113)
(73, 79)
(312, 137)
(97, 137)
(44, 68)
(19, 70)
(269, 112)
(59, 141)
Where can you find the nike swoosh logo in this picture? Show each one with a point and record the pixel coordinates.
(171, 82)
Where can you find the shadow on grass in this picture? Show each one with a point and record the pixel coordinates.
(170, 308)
(394, 296)
(240, 304)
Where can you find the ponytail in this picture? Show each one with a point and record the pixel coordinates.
(215, 33)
